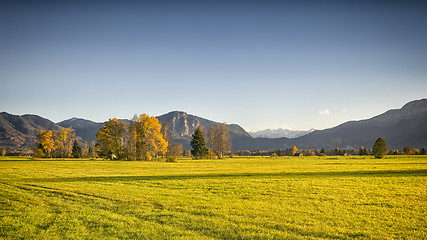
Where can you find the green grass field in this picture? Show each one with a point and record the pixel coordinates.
(238, 198)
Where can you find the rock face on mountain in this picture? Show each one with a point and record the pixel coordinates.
(183, 125)
(19, 133)
(85, 129)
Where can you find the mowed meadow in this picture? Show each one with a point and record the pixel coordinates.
(235, 198)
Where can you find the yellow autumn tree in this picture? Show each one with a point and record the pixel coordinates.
(146, 139)
(152, 137)
(294, 150)
(64, 141)
(46, 142)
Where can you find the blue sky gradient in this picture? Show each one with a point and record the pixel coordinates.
(261, 64)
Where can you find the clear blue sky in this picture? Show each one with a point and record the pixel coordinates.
(260, 64)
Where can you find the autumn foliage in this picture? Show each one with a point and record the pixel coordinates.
(142, 139)
(55, 144)
(145, 139)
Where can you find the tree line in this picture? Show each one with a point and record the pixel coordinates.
(61, 144)
(142, 139)
(145, 138)
(294, 151)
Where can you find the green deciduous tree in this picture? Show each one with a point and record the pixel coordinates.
(38, 152)
(379, 150)
(198, 144)
(110, 139)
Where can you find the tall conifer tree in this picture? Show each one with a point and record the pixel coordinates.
(380, 148)
(77, 150)
(198, 144)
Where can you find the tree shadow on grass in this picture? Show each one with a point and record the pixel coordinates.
(53, 160)
(388, 173)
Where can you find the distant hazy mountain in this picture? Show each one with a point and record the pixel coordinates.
(279, 133)
(400, 127)
(85, 129)
(19, 133)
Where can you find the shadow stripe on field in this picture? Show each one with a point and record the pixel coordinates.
(387, 173)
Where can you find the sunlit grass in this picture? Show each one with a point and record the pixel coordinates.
(238, 198)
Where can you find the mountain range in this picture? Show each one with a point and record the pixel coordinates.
(399, 127)
(279, 133)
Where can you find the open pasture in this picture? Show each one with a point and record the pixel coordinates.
(237, 198)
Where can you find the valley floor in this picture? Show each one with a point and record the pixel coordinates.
(237, 198)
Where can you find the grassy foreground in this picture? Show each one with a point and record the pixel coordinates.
(238, 198)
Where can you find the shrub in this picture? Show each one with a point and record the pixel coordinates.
(172, 159)
(38, 153)
(380, 148)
